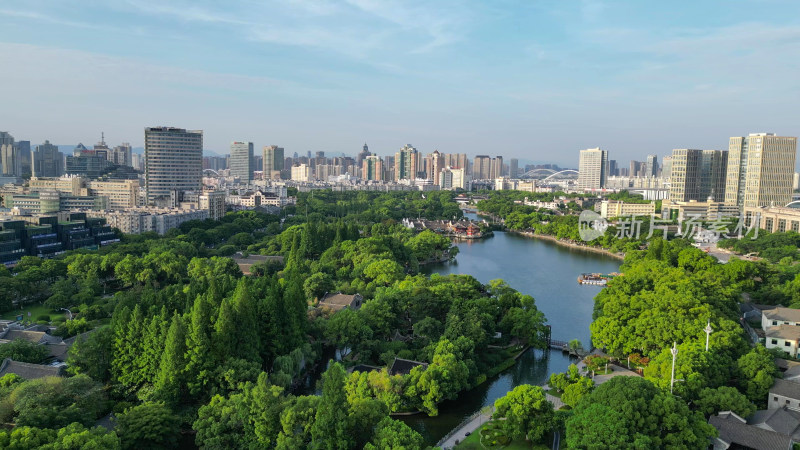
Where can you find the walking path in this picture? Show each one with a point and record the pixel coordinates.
(468, 427)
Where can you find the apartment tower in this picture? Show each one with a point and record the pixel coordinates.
(241, 163)
(592, 169)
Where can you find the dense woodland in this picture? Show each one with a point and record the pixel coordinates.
(182, 346)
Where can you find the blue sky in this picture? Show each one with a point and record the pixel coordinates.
(536, 80)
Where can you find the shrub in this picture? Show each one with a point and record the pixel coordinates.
(43, 317)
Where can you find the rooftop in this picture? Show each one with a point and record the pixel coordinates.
(28, 371)
(785, 388)
(783, 314)
(780, 420)
(734, 430)
(339, 300)
(790, 332)
(403, 366)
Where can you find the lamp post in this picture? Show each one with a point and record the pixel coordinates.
(708, 331)
(674, 351)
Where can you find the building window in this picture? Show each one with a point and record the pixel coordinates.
(774, 322)
(787, 402)
(775, 399)
(774, 342)
(787, 344)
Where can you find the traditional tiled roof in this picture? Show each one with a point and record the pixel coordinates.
(37, 337)
(784, 314)
(780, 420)
(29, 371)
(340, 301)
(785, 388)
(789, 332)
(403, 366)
(734, 430)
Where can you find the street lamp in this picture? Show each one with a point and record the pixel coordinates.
(674, 351)
(708, 331)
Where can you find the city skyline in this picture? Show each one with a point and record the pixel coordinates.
(567, 76)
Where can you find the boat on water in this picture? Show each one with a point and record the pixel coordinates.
(596, 279)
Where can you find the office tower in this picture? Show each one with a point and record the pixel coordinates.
(513, 168)
(482, 167)
(451, 178)
(760, 170)
(24, 154)
(698, 175)
(273, 162)
(300, 172)
(496, 170)
(121, 155)
(48, 161)
(666, 167)
(406, 163)
(242, 161)
(87, 163)
(651, 166)
(137, 162)
(796, 181)
(592, 168)
(612, 168)
(173, 161)
(372, 168)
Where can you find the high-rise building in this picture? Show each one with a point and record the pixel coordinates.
(273, 162)
(9, 157)
(434, 163)
(406, 163)
(360, 157)
(121, 155)
(451, 179)
(496, 170)
(242, 161)
(300, 172)
(48, 161)
(372, 168)
(513, 168)
(457, 161)
(651, 166)
(698, 175)
(173, 161)
(666, 167)
(24, 154)
(760, 170)
(592, 168)
(482, 167)
(613, 170)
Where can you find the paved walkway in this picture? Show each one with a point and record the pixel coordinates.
(469, 427)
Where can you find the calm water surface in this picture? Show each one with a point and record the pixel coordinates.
(539, 268)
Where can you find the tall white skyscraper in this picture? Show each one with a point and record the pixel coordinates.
(173, 161)
(241, 163)
(9, 159)
(760, 170)
(592, 168)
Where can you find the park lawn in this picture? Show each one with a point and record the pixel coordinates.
(36, 310)
(472, 442)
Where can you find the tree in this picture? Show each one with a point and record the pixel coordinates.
(443, 379)
(297, 419)
(575, 391)
(395, 435)
(346, 328)
(52, 402)
(330, 423)
(26, 438)
(169, 382)
(149, 425)
(92, 354)
(526, 411)
(224, 423)
(23, 351)
(724, 398)
(647, 417)
(757, 372)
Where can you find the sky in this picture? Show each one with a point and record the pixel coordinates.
(532, 79)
